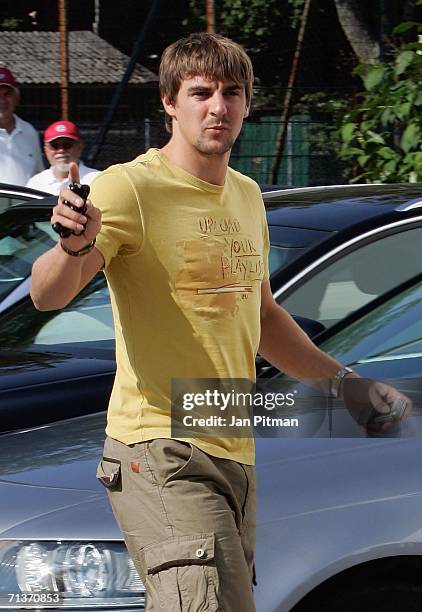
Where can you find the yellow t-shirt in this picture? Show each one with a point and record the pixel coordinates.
(184, 260)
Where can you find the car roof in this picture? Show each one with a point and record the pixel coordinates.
(19, 190)
(334, 208)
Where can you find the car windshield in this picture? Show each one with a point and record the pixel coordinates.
(23, 237)
(88, 318)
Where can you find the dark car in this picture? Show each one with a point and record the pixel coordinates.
(323, 282)
(310, 229)
(67, 356)
(337, 248)
(339, 520)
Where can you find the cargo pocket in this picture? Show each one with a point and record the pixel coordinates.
(181, 574)
(108, 473)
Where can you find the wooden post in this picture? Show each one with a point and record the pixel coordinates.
(287, 104)
(210, 15)
(64, 61)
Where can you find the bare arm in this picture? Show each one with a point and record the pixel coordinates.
(56, 276)
(285, 345)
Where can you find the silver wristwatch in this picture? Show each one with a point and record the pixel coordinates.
(335, 382)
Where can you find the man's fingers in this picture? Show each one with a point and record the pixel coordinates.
(68, 218)
(382, 397)
(74, 173)
(66, 195)
(65, 212)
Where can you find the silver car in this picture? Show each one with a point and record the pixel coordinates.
(339, 519)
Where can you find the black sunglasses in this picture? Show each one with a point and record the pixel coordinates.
(62, 144)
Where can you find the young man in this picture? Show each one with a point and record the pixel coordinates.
(20, 151)
(63, 145)
(184, 243)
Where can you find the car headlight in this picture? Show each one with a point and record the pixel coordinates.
(68, 574)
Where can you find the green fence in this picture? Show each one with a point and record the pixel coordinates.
(255, 151)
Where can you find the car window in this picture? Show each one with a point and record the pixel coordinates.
(278, 257)
(288, 243)
(20, 244)
(393, 330)
(7, 200)
(88, 318)
(356, 277)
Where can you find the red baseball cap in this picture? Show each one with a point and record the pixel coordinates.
(61, 129)
(7, 78)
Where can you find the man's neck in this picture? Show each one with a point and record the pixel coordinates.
(8, 124)
(209, 168)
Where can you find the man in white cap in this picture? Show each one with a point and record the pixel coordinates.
(20, 151)
(62, 145)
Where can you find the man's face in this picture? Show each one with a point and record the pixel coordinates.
(61, 151)
(208, 114)
(8, 103)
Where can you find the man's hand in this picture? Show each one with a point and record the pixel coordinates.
(73, 220)
(377, 407)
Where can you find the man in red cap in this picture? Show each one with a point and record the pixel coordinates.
(62, 145)
(20, 151)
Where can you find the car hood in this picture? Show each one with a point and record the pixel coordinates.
(301, 476)
(61, 454)
(47, 477)
(26, 368)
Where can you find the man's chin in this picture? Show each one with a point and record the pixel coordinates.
(62, 168)
(214, 148)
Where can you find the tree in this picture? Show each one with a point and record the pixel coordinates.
(362, 40)
(382, 134)
(367, 25)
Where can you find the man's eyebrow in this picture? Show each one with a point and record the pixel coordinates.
(232, 87)
(195, 88)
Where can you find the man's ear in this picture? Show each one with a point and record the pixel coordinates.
(246, 114)
(168, 106)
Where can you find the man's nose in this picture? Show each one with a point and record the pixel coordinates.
(218, 106)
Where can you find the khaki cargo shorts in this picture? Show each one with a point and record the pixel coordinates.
(188, 520)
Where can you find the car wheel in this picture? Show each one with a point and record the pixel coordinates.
(381, 597)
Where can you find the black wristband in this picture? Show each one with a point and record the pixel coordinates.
(83, 251)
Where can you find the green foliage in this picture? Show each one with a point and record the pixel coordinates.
(325, 110)
(382, 135)
(296, 12)
(10, 23)
(243, 20)
(247, 20)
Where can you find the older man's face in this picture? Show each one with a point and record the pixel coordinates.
(61, 151)
(8, 102)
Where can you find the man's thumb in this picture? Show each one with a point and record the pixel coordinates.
(74, 173)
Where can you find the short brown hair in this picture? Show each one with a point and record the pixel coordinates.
(203, 54)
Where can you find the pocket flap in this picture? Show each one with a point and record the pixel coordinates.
(180, 551)
(108, 472)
